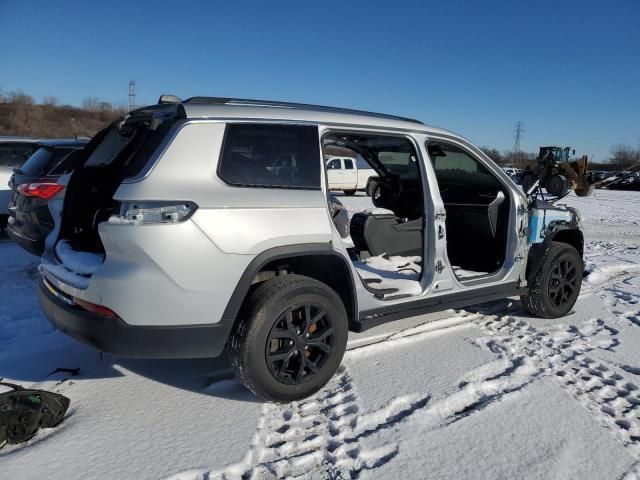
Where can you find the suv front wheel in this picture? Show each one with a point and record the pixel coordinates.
(556, 285)
(290, 338)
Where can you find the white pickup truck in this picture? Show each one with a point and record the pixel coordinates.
(348, 174)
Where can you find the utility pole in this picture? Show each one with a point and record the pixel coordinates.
(518, 130)
(132, 95)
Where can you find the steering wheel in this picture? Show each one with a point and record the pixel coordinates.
(387, 191)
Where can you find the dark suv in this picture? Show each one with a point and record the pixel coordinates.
(14, 151)
(33, 185)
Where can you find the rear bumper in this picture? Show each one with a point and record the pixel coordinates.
(114, 336)
(31, 245)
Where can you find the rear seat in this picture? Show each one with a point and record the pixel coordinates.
(380, 231)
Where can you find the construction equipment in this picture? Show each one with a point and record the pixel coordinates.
(558, 173)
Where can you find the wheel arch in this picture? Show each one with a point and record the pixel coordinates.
(318, 260)
(571, 236)
(562, 234)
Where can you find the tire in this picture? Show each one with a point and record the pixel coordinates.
(557, 185)
(371, 185)
(546, 298)
(349, 192)
(265, 331)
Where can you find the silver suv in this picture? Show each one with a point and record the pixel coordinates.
(198, 224)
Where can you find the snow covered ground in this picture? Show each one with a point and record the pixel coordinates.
(477, 393)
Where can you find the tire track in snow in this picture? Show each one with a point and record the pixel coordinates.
(318, 437)
(524, 355)
(527, 353)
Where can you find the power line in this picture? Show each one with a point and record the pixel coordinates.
(132, 95)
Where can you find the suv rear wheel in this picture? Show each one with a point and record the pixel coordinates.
(556, 286)
(290, 338)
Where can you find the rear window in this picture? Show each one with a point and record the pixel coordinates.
(14, 154)
(65, 165)
(280, 156)
(129, 145)
(49, 161)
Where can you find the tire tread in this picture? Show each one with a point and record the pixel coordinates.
(535, 301)
(240, 345)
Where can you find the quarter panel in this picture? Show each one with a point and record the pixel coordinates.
(251, 231)
(173, 274)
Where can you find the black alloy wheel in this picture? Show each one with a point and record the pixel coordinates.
(562, 283)
(299, 343)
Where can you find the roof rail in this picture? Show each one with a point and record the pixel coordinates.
(292, 105)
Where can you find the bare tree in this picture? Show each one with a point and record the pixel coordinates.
(105, 107)
(493, 154)
(91, 103)
(50, 100)
(518, 158)
(18, 97)
(624, 156)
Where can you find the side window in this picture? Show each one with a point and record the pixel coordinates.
(263, 155)
(454, 166)
(348, 164)
(334, 164)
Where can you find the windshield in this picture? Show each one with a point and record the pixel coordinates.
(48, 161)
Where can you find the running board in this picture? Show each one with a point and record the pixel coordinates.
(465, 298)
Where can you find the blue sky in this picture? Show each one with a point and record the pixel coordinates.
(570, 70)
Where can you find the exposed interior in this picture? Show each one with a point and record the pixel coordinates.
(387, 240)
(477, 206)
(115, 153)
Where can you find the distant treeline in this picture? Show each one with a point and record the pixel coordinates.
(622, 157)
(21, 115)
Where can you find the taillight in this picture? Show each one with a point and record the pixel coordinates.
(145, 213)
(45, 191)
